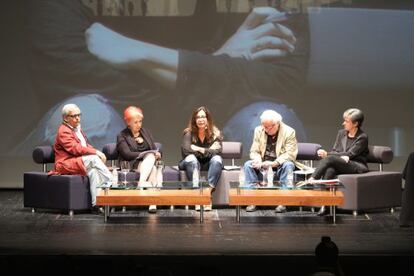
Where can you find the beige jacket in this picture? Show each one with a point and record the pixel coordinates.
(286, 145)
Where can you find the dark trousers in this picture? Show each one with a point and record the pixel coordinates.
(332, 165)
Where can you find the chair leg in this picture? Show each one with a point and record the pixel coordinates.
(355, 213)
(123, 209)
(392, 210)
(71, 213)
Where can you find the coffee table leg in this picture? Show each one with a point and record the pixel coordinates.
(238, 213)
(201, 213)
(106, 211)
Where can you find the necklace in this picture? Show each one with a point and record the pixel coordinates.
(138, 138)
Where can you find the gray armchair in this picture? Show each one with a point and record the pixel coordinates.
(374, 189)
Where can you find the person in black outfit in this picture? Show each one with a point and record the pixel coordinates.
(133, 141)
(201, 147)
(407, 204)
(349, 153)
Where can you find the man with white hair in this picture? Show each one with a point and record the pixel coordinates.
(274, 145)
(73, 153)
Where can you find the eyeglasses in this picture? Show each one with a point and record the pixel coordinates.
(201, 117)
(269, 126)
(75, 115)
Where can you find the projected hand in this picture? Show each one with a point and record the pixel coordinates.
(112, 47)
(260, 37)
(155, 61)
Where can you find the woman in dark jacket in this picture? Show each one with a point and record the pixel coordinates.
(349, 153)
(202, 147)
(133, 143)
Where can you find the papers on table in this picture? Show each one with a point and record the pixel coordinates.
(317, 182)
(232, 168)
(327, 181)
(304, 172)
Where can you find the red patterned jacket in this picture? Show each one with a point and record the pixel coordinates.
(69, 152)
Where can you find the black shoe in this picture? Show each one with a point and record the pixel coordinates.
(96, 210)
(323, 211)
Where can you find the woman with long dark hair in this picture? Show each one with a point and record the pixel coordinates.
(201, 147)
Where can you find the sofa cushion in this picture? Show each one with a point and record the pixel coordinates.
(380, 154)
(110, 151)
(43, 155)
(231, 150)
(308, 151)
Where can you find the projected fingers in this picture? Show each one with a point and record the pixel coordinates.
(269, 42)
(259, 15)
(276, 30)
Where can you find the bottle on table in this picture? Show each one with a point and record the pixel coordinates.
(196, 175)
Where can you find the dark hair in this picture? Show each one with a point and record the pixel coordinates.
(355, 115)
(211, 129)
(326, 252)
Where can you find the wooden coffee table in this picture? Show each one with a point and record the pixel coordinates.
(171, 193)
(278, 194)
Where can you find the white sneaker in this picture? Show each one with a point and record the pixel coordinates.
(280, 209)
(152, 209)
(251, 208)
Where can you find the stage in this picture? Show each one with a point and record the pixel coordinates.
(174, 242)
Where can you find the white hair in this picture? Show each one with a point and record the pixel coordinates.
(68, 108)
(270, 115)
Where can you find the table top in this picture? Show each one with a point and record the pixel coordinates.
(295, 185)
(166, 185)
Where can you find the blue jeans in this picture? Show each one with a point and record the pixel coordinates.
(215, 166)
(252, 175)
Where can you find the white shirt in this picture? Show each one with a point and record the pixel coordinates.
(80, 135)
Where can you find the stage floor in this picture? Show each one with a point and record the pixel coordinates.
(373, 238)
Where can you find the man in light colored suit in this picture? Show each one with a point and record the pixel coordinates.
(274, 145)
